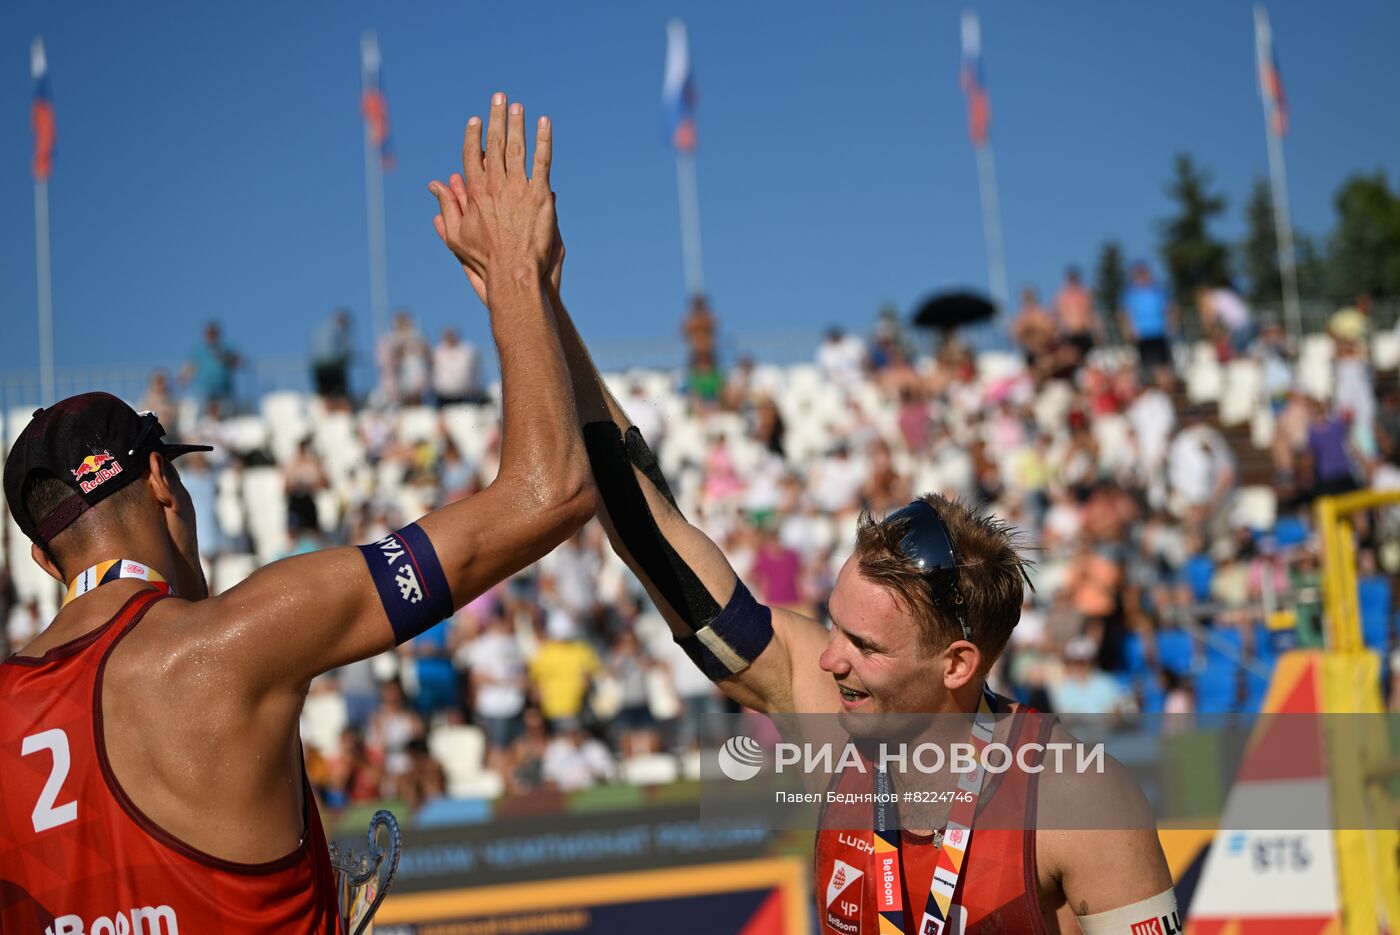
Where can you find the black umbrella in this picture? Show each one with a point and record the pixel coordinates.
(948, 310)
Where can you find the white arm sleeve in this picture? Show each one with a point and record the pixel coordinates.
(1156, 915)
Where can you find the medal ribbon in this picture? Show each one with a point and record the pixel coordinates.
(111, 570)
(957, 837)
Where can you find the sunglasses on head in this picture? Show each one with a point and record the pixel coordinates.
(927, 544)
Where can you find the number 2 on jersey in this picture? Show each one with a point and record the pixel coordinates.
(47, 815)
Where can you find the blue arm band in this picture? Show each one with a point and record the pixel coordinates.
(732, 641)
(410, 582)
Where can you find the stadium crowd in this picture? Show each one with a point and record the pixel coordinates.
(1164, 485)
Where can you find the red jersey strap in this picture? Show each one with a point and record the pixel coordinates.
(887, 846)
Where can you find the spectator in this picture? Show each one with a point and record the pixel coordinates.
(698, 329)
(1353, 323)
(574, 760)
(1074, 306)
(1036, 333)
(837, 482)
(424, 779)
(524, 772)
(392, 728)
(158, 398)
(561, 672)
(454, 371)
(1084, 689)
(498, 682)
(777, 573)
(705, 382)
(1226, 319)
(331, 351)
(353, 772)
(1354, 394)
(429, 653)
(209, 370)
(887, 342)
(769, 429)
(403, 363)
(457, 478)
(1202, 476)
(1275, 356)
(841, 357)
(1147, 320)
(303, 478)
(1153, 416)
(1330, 455)
(632, 729)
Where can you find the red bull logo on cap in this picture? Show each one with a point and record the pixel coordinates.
(102, 466)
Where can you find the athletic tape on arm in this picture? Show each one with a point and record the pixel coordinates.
(627, 506)
(410, 582)
(1154, 914)
(722, 642)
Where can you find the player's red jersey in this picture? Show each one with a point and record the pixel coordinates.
(76, 855)
(998, 892)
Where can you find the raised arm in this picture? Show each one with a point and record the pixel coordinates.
(671, 556)
(766, 659)
(302, 616)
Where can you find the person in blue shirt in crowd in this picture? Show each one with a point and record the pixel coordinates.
(1148, 319)
(209, 371)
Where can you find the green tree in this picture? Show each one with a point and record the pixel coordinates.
(1311, 264)
(1110, 278)
(1258, 252)
(1364, 252)
(1193, 256)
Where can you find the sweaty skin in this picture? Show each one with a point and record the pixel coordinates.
(201, 701)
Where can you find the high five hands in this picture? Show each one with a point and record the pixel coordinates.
(499, 222)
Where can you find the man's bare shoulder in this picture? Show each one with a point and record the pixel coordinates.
(177, 647)
(1085, 788)
(813, 690)
(1095, 822)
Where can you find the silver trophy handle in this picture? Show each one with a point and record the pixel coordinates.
(363, 880)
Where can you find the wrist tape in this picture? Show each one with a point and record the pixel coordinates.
(1154, 914)
(733, 640)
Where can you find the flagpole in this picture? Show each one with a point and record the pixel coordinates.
(689, 193)
(1278, 179)
(991, 228)
(43, 164)
(374, 198)
(974, 86)
(1283, 227)
(44, 275)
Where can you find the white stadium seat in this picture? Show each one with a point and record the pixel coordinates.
(461, 749)
(650, 769)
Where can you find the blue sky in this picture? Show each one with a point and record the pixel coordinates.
(210, 160)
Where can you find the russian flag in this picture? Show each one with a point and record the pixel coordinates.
(678, 92)
(974, 84)
(373, 104)
(1270, 79)
(41, 116)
